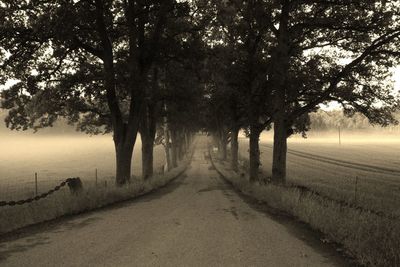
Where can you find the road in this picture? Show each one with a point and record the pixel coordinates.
(197, 220)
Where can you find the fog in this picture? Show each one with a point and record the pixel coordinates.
(58, 154)
(365, 137)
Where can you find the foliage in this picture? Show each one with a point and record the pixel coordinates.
(329, 120)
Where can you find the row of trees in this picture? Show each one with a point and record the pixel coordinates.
(277, 61)
(171, 67)
(106, 66)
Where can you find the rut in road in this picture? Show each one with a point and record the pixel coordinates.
(197, 220)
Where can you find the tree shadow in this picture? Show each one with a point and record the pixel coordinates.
(23, 245)
(213, 188)
(75, 224)
(27, 240)
(160, 191)
(33, 236)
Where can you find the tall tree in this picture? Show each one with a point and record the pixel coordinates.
(240, 25)
(312, 40)
(87, 61)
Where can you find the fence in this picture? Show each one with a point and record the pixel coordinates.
(74, 184)
(39, 185)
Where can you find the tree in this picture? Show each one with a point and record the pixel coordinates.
(240, 26)
(364, 32)
(148, 124)
(87, 61)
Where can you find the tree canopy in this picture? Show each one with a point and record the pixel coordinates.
(129, 66)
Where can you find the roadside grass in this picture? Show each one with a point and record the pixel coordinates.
(371, 239)
(374, 190)
(91, 197)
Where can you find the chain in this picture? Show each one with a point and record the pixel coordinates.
(44, 195)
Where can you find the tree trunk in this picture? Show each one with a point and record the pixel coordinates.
(167, 156)
(181, 146)
(123, 162)
(167, 145)
(147, 156)
(280, 150)
(254, 156)
(234, 149)
(189, 140)
(281, 59)
(167, 148)
(180, 150)
(187, 145)
(174, 150)
(223, 149)
(222, 144)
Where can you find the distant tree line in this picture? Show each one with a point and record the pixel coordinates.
(331, 120)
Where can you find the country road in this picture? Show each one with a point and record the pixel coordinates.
(197, 220)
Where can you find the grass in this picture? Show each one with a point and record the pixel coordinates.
(363, 172)
(371, 239)
(64, 203)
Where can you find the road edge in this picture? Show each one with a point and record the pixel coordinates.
(278, 210)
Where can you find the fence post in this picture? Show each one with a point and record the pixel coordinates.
(36, 185)
(75, 185)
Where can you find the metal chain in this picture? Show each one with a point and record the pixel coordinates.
(44, 195)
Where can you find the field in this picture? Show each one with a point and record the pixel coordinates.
(363, 170)
(56, 157)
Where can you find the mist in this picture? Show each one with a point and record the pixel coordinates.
(60, 152)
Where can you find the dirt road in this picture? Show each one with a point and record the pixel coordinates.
(197, 220)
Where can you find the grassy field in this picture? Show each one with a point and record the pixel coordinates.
(56, 157)
(363, 170)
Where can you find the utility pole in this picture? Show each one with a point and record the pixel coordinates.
(340, 141)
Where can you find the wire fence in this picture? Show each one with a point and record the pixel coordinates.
(39, 184)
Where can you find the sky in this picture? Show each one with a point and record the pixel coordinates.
(396, 77)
